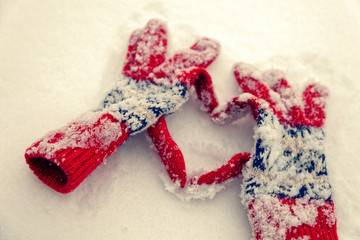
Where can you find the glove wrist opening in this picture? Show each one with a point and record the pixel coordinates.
(48, 172)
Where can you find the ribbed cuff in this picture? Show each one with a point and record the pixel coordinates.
(64, 158)
(321, 231)
(290, 219)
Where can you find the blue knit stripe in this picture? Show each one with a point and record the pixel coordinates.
(141, 103)
(290, 166)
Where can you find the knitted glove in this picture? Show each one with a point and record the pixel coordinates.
(187, 68)
(64, 158)
(285, 184)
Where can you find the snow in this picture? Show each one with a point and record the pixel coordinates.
(138, 99)
(278, 217)
(286, 158)
(100, 136)
(58, 59)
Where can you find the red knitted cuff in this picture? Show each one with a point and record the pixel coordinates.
(276, 218)
(64, 158)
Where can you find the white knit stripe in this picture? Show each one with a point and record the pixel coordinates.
(141, 103)
(286, 162)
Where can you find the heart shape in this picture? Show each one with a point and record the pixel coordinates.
(172, 156)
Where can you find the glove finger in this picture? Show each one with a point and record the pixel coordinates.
(314, 98)
(249, 81)
(229, 170)
(150, 50)
(292, 111)
(201, 80)
(201, 54)
(275, 79)
(237, 108)
(248, 78)
(130, 68)
(168, 151)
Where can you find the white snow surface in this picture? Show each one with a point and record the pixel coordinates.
(59, 59)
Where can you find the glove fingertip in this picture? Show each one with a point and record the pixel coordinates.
(128, 69)
(314, 97)
(275, 79)
(248, 78)
(205, 44)
(244, 70)
(316, 90)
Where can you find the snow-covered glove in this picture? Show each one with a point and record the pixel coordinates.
(285, 183)
(149, 88)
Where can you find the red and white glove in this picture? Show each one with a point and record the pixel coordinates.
(285, 183)
(149, 88)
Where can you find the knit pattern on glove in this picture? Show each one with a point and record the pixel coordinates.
(285, 183)
(146, 61)
(149, 88)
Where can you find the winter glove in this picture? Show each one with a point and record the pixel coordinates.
(149, 88)
(285, 183)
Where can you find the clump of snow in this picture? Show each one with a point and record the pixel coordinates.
(193, 191)
(88, 131)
